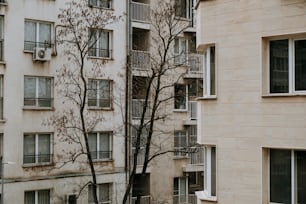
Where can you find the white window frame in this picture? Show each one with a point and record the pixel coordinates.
(96, 43)
(110, 145)
(208, 73)
(291, 66)
(98, 97)
(37, 101)
(110, 189)
(37, 43)
(36, 194)
(36, 162)
(208, 173)
(181, 182)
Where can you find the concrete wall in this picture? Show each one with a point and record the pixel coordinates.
(242, 122)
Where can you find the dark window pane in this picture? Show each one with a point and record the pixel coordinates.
(213, 171)
(212, 71)
(180, 96)
(300, 65)
(280, 176)
(301, 176)
(279, 75)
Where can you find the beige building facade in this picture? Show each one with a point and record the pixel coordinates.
(251, 119)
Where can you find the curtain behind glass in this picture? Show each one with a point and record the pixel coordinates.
(280, 176)
(29, 91)
(104, 192)
(29, 35)
(92, 92)
(92, 142)
(29, 197)
(44, 197)
(44, 91)
(279, 67)
(44, 35)
(104, 93)
(44, 148)
(29, 149)
(300, 65)
(104, 44)
(104, 146)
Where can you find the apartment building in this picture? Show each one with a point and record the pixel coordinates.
(32, 151)
(175, 176)
(251, 118)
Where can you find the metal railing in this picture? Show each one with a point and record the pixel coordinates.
(138, 108)
(30, 45)
(97, 52)
(37, 158)
(195, 62)
(182, 199)
(140, 59)
(38, 102)
(192, 199)
(102, 103)
(140, 12)
(197, 157)
(143, 200)
(192, 110)
(101, 155)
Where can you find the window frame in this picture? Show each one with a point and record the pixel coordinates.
(110, 2)
(97, 97)
(110, 191)
(36, 150)
(95, 46)
(209, 175)
(291, 66)
(98, 142)
(36, 195)
(209, 73)
(37, 98)
(37, 35)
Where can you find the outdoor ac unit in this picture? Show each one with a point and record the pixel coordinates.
(42, 54)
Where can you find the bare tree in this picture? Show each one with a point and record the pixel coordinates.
(158, 83)
(79, 29)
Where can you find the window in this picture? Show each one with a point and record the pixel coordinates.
(180, 143)
(1, 37)
(195, 88)
(180, 96)
(183, 8)
(210, 171)
(37, 197)
(100, 145)
(101, 3)
(180, 190)
(72, 199)
(1, 97)
(287, 62)
(99, 93)
(37, 34)
(100, 43)
(37, 148)
(38, 91)
(288, 170)
(104, 193)
(209, 70)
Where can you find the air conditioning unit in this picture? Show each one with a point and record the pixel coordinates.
(42, 54)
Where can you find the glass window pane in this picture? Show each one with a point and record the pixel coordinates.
(300, 65)
(182, 190)
(92, 142)
(301, 176)
(90, 192)
(280, 176)
(92, 46)
(29, 149)
(180, 96)
(104, 93)
(29, 197)
(44, 197)
(29, 35)
(104, 192)
(44, 35)
(104, 146)
(213, 171)
(44, 148)
(92, 92)
(212, 71)
(44, 92)
(279, 74)
(29, 88)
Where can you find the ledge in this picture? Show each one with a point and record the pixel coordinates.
(213, 97)
(283, 95)
(33, 108)
(202, 195)
(180, 110)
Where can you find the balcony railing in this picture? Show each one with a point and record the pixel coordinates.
(197, 158)
(37, 158)
(192, 199)
(194, 62)
(140, 12)
(97, 52)
(101, 155)
(140, 156)
(192, 110)
(182, 199)
(30, 45)
(138, 107)
(140, 60)
(143, 200)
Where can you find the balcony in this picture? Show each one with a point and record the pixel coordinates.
(140, 12)
(197, 158)
(137, 108)
(140, 60)
(194, 62)
(178, 199)
(143, 200)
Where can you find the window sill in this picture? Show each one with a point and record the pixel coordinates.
(100, 58)
(202, 195)
(283, 95)
(180, 110)
(4, 4)
(95, 108)
(183, 18)
(34, 108)
(212, 97)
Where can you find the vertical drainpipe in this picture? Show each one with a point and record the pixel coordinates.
(127, 94)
